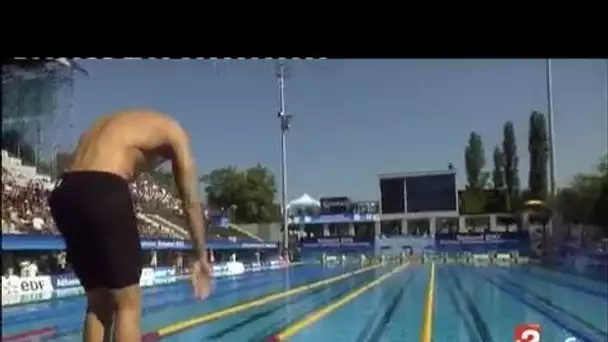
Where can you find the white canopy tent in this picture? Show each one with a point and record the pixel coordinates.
(303, 201)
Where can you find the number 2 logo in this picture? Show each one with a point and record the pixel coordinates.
(531, 336)
(527, 333)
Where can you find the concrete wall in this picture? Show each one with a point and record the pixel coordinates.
(403, 217)
(433, 217)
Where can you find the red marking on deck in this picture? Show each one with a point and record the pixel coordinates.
(274, 338)
(31, 335)
(150, 337)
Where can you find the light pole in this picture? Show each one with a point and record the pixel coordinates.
(552, 190)
(550, 122)
(285, 121)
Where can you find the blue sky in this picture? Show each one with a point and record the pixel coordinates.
(354, 119)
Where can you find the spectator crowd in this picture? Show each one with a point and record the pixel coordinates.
(148, 193)
(25, 209)
(24, 206)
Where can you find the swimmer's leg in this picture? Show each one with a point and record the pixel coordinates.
(102, 242)
(98, 317)
(127, 325)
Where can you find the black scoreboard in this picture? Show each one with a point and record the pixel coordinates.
(419, 193)
(392, 195)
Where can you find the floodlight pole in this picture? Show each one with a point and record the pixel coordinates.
(550, 122)
(285, 121)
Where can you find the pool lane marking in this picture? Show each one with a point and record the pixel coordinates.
(315, 316)
(556, 307)
(41, 309)
(160, 290)
(183, 325)
(541, 309)
(30, 335)
(481, 327)
(426, 334)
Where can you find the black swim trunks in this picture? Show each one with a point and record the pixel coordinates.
(94, 212)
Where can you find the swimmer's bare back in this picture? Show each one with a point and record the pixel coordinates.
(126, 142)
(93, 209)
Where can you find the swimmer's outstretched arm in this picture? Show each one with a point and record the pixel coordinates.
(186, 178)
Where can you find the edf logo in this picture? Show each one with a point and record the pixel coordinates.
(32, 285)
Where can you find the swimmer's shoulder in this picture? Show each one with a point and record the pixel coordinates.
(137, 117)
(139, 121)
(147, 126)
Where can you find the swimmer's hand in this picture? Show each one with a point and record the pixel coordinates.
(202, 273)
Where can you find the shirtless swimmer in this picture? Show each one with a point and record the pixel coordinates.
(93, 209)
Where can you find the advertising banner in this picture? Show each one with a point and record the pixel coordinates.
(166, 244)
(335, 218)
(164, 272)
(54, 243)
(16, 290)
(21, 290)
(147, 277)
(228, 269)
(259, 245)
(65, 281)
(400, 244)
(165, 275)
(69, 291)
(313, 248)
(482, 242)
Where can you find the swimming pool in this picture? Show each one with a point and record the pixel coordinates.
(351, 303)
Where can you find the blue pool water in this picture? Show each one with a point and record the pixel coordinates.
(471, 304)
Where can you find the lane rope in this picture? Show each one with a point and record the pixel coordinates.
(426, 334)
(317, 315)
(208, 317)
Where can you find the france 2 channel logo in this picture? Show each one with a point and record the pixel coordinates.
(527, 333)
(531, 333)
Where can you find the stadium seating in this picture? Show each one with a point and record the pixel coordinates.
(25, 209)
(175, 218)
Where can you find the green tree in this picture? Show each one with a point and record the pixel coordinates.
(511, 166)
(585, 199)
(599, 213)
(600, 208)
(249, 194)
(602, 167)
(475, 161)
(477, 179)
(498, 174)
(538, 147)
